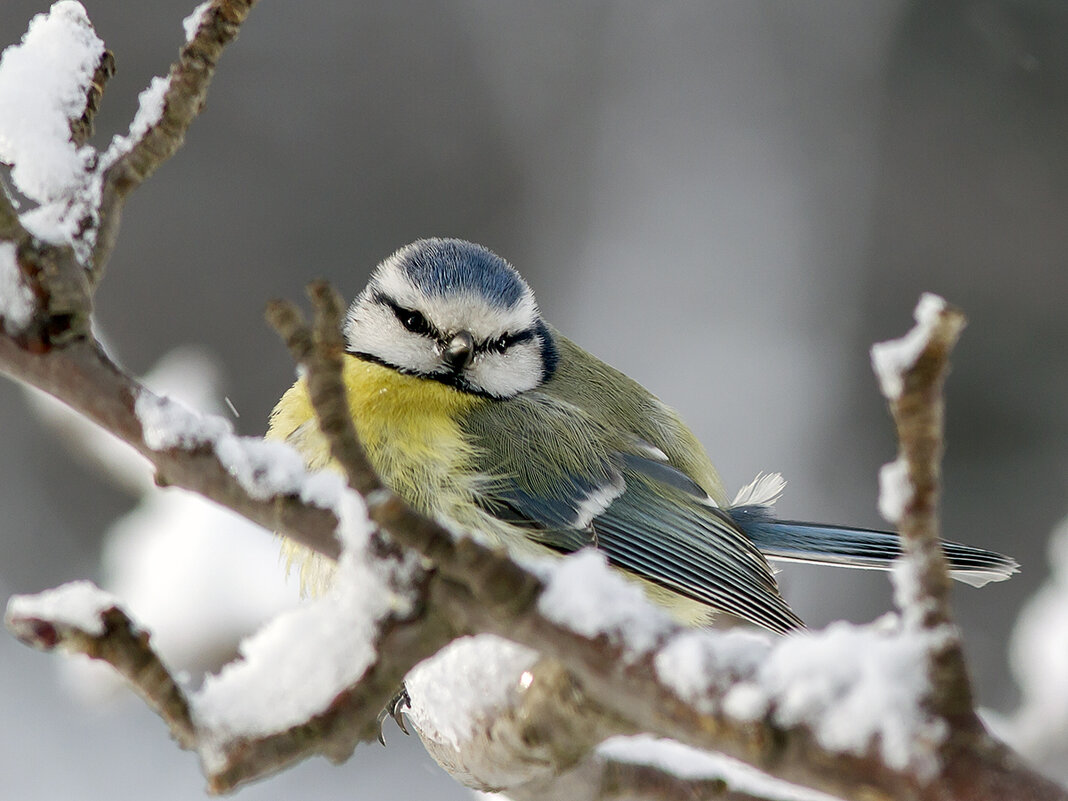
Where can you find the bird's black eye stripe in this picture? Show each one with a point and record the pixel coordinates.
(412, 319)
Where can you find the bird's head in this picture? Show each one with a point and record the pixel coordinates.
(453, 312)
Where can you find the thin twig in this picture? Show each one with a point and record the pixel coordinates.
(11, 229)
(319, 349)
(125, 647)
(186, 95)
(919, 415)
(81, 129)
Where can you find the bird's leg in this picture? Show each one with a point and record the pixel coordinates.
(394, 709)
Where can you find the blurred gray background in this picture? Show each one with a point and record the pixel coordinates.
(729, 201)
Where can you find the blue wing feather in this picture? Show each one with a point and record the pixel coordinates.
(597, 487)
(820, 543)
(660, 532)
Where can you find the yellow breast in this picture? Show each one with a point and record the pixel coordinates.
(408, 425)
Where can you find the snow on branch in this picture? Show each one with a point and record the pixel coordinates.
(877, 711)
(311, 681)
(50, 86)
(80, 618)
(852, 697)
(44, 86)
(911, 373)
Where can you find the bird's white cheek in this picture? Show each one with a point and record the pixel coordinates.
(509, 373)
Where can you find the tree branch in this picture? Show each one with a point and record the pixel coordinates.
(486, 591)
(81, 375)
(109, 635)
(628, 668)
(187, 90)
(229, 758)
(11, 229)
(912, 373)
(81, 129)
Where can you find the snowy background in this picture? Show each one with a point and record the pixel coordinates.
(728, 201)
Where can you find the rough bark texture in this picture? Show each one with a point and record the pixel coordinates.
(587, 688)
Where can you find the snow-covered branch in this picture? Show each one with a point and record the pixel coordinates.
(911, 373)
(310, 682)
(855, 698)
(80, 618)
(577, 653)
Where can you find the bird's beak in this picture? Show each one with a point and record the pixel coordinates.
(459, 351)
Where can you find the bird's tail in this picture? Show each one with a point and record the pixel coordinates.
(821, 544)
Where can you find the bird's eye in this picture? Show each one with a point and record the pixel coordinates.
(414, 321)
(500, 344)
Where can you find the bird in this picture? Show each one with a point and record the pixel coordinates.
(479, 414)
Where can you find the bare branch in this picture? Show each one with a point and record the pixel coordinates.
(320, 350)
(11, 229)
(81, 129)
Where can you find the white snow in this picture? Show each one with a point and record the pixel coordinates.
(1039, 658)
(43, 84)
(78, 604)
(149, 111)
(168, 423)
(907, 593)
(891, 359)
(60, 222)
(851, 685)
(191, 24)
(195, 574)
(895, 490)
(264, 468)
(585, 595)
(293, 668)
(455, 692)
(16, 300)
(689, 763)
(694, 663)
(150, 105)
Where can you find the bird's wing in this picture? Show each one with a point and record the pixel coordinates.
(571, 483)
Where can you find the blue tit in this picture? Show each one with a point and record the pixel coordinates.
(481, 415)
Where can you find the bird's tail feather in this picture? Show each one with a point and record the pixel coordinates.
(821, 544)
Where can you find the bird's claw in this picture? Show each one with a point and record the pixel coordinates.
(395, 709)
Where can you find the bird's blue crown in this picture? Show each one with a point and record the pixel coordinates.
(443, 267)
